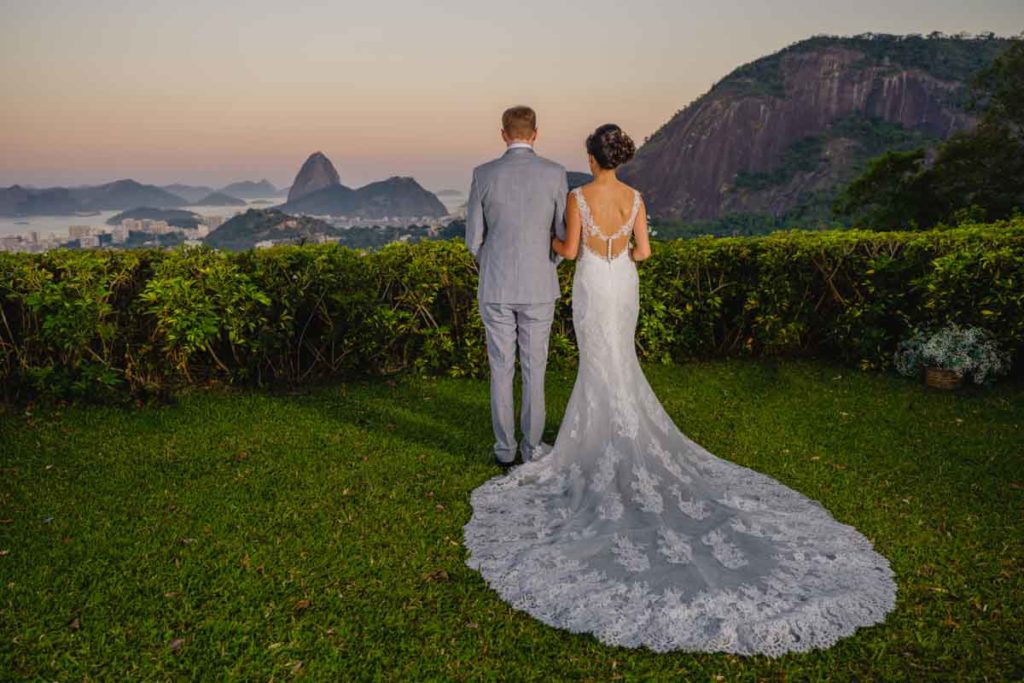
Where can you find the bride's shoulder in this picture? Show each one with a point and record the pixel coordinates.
(632, 189)
(577, 192)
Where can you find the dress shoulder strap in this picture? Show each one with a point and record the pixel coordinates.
(636, 209)
(585, 216)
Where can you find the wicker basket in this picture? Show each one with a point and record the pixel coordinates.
(941, 378)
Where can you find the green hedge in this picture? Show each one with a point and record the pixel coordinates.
(119, 323)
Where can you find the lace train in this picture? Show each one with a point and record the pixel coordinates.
(631, 531)
(756, 569)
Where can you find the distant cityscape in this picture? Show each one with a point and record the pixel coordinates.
(318, 209)
(136, 233)
(91, 236)
(142, 233)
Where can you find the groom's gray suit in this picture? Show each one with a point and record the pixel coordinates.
(516, 204)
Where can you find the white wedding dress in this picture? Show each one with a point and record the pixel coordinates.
(629, 530)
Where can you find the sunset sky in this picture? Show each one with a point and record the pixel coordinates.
(208, 92)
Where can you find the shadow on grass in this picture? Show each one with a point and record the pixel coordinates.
(437, 415)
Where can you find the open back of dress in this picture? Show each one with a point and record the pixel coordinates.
(606, 245)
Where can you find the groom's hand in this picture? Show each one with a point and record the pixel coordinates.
(554, 255)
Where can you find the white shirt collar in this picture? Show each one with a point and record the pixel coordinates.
(520, 145)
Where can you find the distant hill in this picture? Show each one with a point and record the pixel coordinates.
(394, 197)
(397, 196)
(449, 193)
(317, 190)
(257, 225)
(124, 194)
(334, 200)
(219, 199)
(247, 189)
(317, 173)
(22, 201)
(177, 217)
(190, 193)
(62, 201)
(778, 137)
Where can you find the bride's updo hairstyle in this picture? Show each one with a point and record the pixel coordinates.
(610, 146)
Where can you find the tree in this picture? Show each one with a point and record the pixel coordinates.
(977, 174)
(893, 193)
(998, 91)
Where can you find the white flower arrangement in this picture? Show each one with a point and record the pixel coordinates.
(964, 350)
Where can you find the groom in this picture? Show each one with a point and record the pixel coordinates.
(516, 203)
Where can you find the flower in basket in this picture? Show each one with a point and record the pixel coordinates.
(963, 350)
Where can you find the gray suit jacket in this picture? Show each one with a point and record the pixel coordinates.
(516, 204)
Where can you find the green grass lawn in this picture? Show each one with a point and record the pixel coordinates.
(317, 534)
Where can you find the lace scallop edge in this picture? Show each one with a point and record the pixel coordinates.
(818, 624)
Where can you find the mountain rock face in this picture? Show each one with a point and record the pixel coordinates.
(781, 135)
(394, 197)
(316, 173)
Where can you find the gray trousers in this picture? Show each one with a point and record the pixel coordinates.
(529, 327)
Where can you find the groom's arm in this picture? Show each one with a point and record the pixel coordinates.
(558, 225)
(475, 219)
(560, 197)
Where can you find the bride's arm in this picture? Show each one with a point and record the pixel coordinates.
(642, 243)
(570, 246)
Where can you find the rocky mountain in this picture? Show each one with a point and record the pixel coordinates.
(333, 200)
(219, 199)
(779, 136)
(190, 193)
(257, 225)
(396, 196)
(247, 189)
(177, 217)
(316, 174)
(393, 197)
(62, 201)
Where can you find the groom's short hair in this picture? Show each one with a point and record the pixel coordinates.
(519, 122)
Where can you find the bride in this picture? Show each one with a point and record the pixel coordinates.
(628, 529)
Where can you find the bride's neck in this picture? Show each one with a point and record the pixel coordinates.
(605, 175)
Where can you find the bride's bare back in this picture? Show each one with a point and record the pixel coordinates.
(603, 216)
